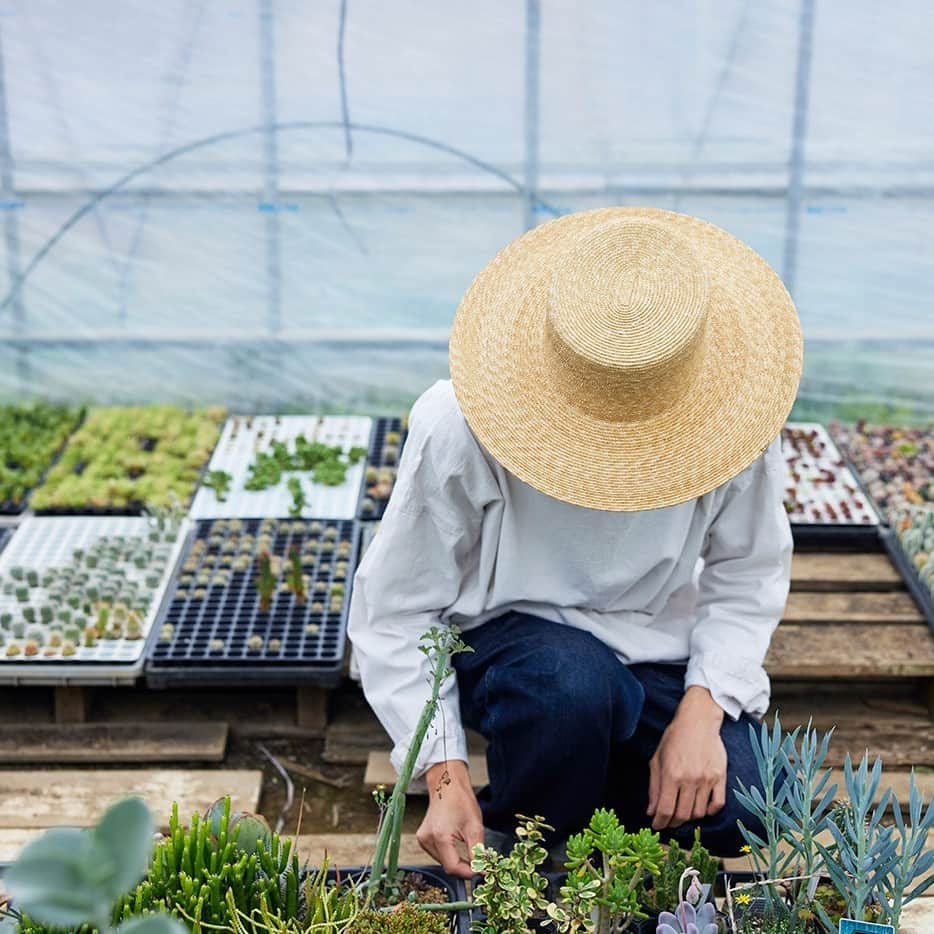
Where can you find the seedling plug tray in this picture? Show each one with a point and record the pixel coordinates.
(79, 596)
(244, 437)
(389, 436)
(215, 629)
(824, 500)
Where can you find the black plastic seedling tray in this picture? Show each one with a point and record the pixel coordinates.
(213, 630)
(378, 461)
(916, 587)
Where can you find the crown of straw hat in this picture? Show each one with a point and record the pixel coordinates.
(626, 358)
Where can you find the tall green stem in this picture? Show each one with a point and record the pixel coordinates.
(442, 645)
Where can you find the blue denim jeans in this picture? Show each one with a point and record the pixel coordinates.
(571, 728)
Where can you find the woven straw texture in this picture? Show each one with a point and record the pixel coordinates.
(626, 358)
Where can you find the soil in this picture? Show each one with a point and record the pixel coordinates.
(325, 809)
(418, 887)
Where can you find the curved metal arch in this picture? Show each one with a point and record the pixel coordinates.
(89, 205)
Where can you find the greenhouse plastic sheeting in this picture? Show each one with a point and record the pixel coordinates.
(277, 203)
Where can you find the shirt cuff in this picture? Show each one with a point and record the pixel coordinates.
(737, 685)
(436, 748)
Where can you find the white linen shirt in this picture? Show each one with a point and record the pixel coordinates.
(462, 541)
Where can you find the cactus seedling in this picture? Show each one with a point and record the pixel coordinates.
(296, 576)
(265, 582)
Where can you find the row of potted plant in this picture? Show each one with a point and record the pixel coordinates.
(819, 486)
(123, 459)
(820, 854)
(30, 437)
(896, 465)
(914, 529)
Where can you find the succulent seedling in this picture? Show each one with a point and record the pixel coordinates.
(265, 582)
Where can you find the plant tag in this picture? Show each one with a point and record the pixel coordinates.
(864, 927)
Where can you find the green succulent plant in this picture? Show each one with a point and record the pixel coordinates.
(78, 878)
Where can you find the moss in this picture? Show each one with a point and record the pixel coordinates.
(406, 919)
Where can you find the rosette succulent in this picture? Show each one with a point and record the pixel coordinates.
(688, 920)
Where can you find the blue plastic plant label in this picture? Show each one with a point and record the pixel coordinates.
(864, 927)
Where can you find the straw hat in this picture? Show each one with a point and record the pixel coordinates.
(626, 358)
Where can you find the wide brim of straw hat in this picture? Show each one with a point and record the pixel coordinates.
(741, 393)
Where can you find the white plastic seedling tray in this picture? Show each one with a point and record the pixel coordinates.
(46, 543)
(825, 486)
(244, 436)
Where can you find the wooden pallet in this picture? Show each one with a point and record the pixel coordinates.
(77, 797)
(62, 743)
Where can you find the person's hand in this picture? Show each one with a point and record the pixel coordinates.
(687, 774)
(453, 816)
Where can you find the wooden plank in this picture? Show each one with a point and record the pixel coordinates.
(851, 650)
(856, 607)
(899, 731)
(114, 742)
(353, 732)
(816, 571)
(77, 797)
(71, 704)
(312, 709)
(341, 849)
(379, 771)
(12, 840)
(355, 849)
(918, 916)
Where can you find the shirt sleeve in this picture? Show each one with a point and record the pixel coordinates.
(412, 571)
(743, 588)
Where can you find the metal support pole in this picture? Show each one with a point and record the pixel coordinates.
(271, 160)
(798, 138)
(11, 233)
(533, 30)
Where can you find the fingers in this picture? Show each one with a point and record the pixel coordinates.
(718, 798)
(451, 861)
(667, 804)
(473, 834)
(654, 786)
(443, 846)
(687, 803)
(702, 802)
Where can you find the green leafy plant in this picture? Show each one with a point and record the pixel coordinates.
(219, 481)
(606, 868)
(404, 919)
(127, 458)
(512, 891)
(767, 801)
(222, 857)
(298, 496)
(909, 877)
(30, 436)
(873, 864)
(70, 878)
(438, 645)
(327, 464)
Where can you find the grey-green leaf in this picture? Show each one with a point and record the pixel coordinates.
(125, 831)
